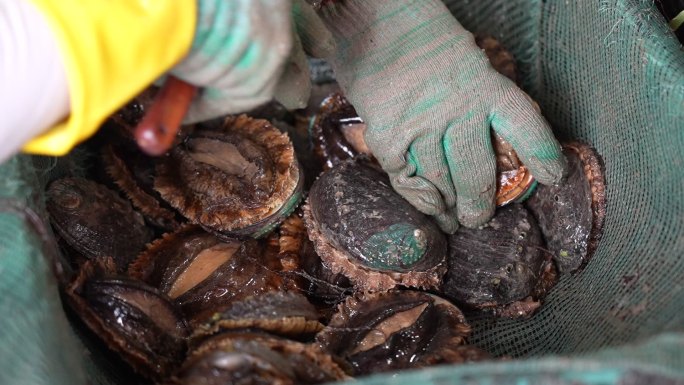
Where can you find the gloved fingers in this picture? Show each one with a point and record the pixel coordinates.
(417, 190)
(294, 87)
(472, 164)
(417, 170)
(240, 48)
(317, 40)
(427, 154)
(518, 121)
(212, 103)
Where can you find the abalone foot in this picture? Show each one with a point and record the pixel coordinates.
(397, 329)
(364, 278)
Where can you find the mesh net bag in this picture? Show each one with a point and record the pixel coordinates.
(609, 73)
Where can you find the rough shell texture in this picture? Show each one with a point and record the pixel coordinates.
(499, 264)
(133, 173)
(133, 319)
(571, 214)
(203, 275)
(238, 180)
(256, 358)
(397, 330)
(362, 228)
(303, 267)
(282, 313)
(96, 221)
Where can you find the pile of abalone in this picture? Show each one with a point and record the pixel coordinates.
(206, 265)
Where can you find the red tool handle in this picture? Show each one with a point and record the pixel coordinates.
(158, 129)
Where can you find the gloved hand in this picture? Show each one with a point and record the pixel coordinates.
(429, 97)
(245, 52)
(238, 55)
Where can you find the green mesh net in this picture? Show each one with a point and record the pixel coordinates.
(609, 73)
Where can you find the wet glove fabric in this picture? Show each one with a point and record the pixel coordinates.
(430, 99)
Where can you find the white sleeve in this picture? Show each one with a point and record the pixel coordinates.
(34, 93)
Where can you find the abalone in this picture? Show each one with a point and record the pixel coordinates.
(282, 313)
(398, 329)
(249, 357)
(95, 221)
(133, 319)
(133, 172)
(337, 132)
(204, 275)
(571, 214)
(501, 267)
(238, 180)
(362, 228)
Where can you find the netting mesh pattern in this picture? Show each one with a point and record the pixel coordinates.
(606, 72)
(609, 73)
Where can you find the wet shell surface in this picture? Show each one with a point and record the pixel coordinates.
(238, 180)
(133, 172)
(203, 274)
(282, 313)
(337, 132)
(398, 329)
(133, 319)
(571, 214)
(257, 358)
(362, 228)
(502, 267)
(303, 267)
(95, 221)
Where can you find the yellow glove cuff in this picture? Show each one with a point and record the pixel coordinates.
(111, 51)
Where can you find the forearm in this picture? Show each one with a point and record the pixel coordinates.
(107, 52)
(34, 95)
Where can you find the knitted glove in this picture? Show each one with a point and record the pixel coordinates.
(430, 98)
(238, 54)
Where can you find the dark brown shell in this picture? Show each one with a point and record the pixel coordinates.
(502, 263)
(203, 274)
(133, 173)
(571, 214)
(257, 358)
(282, 313)
(134, 320)
(238, 180)
(362, 228)
(399, 329)
(337, 132)
(96, 221)
(303, 267)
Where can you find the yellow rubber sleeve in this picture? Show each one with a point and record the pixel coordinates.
(111, 50)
